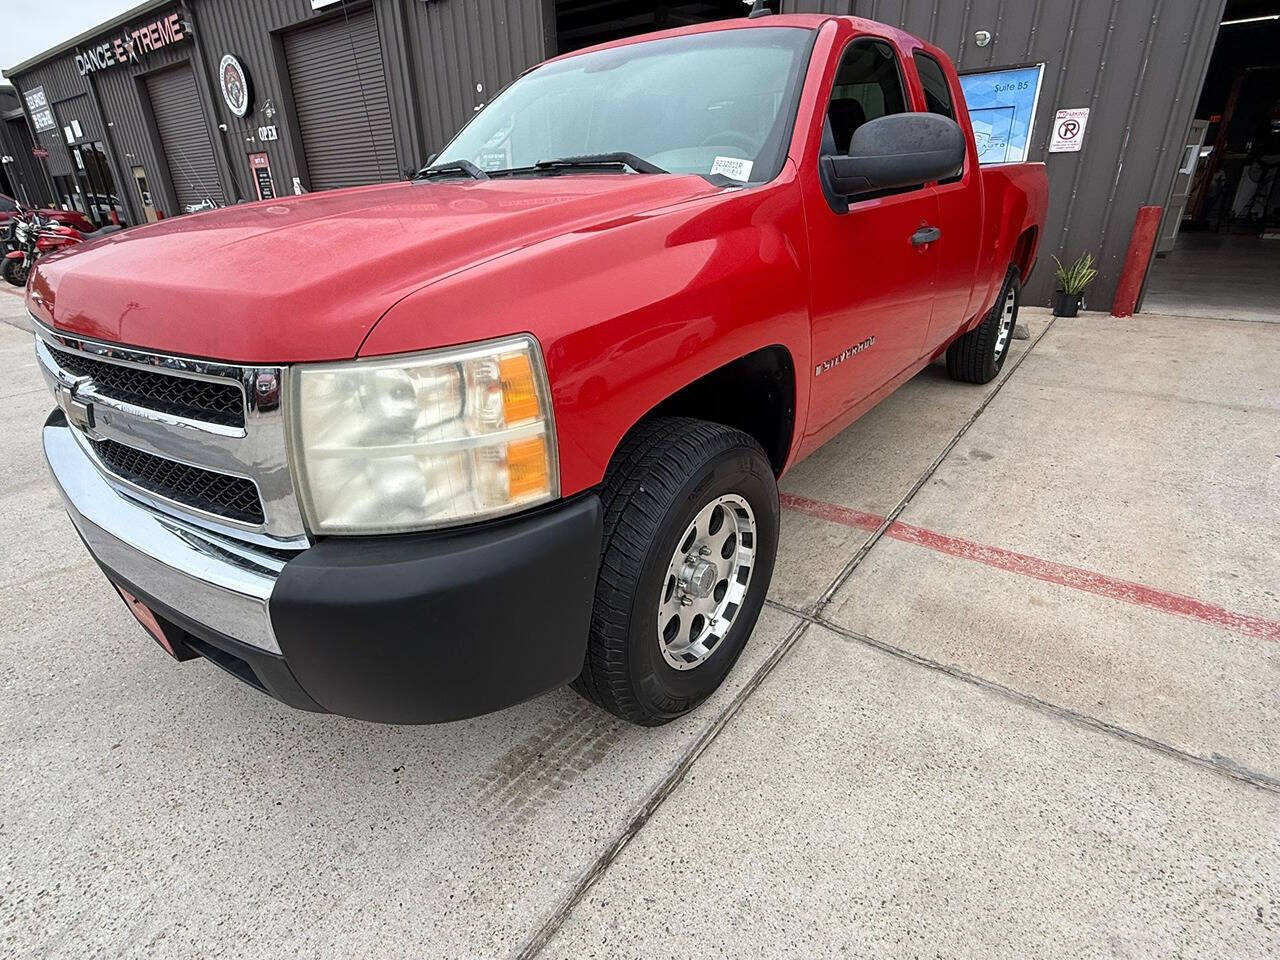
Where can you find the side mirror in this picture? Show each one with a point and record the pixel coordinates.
(900, 150)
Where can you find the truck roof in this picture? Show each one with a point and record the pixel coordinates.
(801, 21)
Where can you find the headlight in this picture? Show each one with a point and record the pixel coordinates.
(423, 441)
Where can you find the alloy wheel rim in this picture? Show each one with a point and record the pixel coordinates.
(1007, 313)
(706, 581)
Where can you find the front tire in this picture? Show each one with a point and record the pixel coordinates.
(690, 539)
(977, 356)
(12, 271)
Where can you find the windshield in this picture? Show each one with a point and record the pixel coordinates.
(712, 104)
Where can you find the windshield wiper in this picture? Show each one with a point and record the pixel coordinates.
(454, 167)
(618, 159)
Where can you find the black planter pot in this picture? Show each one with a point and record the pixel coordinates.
(1067, 304)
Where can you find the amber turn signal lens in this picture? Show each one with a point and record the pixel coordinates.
(527, 468)
(519, 390)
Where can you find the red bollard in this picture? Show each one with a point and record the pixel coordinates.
(1146, 227)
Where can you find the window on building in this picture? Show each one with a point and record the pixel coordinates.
(937, 95)
(868, 86)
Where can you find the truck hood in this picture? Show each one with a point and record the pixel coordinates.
(307, 278)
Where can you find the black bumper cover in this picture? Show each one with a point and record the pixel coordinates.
(436, 627)
(422, 628)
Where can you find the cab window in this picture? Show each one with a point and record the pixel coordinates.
(868, 86)
(937, 96)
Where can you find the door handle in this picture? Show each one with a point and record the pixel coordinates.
(925, 235)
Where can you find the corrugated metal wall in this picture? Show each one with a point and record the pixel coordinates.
(25, 174)
(435, 55)
(129, 136)
(61, 82)
(1139, 66)
(463, 45)
(115, 95)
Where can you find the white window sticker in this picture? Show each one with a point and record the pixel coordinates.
(733, 168)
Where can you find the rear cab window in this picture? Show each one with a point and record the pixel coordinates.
(937, 93)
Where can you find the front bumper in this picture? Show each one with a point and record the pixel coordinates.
(421, 628)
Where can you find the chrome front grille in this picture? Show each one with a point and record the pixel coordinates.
(200, 440)
(206, 400)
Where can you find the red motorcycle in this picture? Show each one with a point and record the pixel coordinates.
(31, 236)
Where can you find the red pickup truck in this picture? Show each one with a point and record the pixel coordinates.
(413, 452)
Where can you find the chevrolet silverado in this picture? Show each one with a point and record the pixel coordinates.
(416, 451)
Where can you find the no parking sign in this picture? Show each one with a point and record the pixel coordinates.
(1067, 135)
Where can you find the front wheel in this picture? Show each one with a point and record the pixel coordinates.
(14, 272)
(690, 538)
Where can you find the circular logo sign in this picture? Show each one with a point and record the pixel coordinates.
(235, 85)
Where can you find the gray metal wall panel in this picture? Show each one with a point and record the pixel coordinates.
(61, 81)
(79, 109)
(254, 32)
(25, 171)
(1138, 64)
(251, 32)
(466, 43)
(125, 134)
(434, 55)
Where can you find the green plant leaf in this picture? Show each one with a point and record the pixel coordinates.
(1076, 278)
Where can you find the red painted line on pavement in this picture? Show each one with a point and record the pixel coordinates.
(1047, 570)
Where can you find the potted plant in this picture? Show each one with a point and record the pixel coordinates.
(1072, 282)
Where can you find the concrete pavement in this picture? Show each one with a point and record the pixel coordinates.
(931, 746)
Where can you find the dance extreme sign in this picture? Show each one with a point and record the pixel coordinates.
(129, 46)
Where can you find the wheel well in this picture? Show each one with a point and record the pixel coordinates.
(755, 394)
(1023, 252)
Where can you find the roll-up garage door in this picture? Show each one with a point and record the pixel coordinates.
(340, 100)
(188, 148)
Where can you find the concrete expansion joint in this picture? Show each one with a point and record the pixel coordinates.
(650, 805)
(1217, 763)
(843, 576)
(534, 946)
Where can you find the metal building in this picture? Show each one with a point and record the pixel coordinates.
(135, 121)
(181, 103)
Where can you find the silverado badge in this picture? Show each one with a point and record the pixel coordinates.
(842, 356)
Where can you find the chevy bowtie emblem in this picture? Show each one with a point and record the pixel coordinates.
(79, 412)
